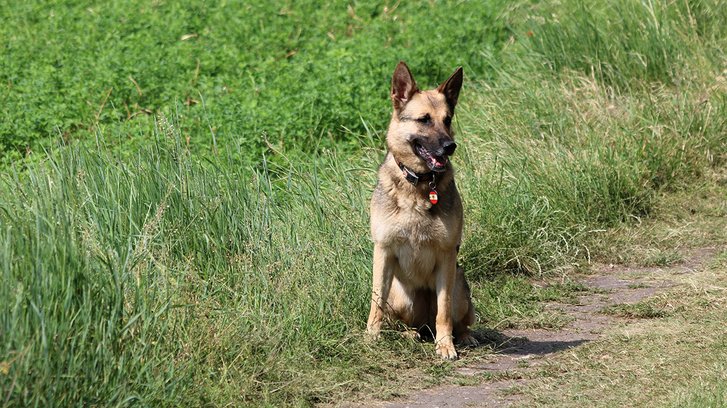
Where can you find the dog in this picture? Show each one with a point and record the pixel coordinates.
(416, 219)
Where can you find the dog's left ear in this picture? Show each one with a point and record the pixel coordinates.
(450, 88)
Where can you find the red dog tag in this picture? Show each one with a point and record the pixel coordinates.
(433, 197)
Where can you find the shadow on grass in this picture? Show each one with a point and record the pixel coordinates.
(504, 344)
(501, 343)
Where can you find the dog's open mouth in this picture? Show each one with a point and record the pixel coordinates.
(434, 162)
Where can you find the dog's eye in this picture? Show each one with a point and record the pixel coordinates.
(447, 121)
(426, 119)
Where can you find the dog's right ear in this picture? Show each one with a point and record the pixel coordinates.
(403, 86)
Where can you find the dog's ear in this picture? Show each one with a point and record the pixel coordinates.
(450, 88)
(403, 86)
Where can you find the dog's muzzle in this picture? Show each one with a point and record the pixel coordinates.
(448, 148)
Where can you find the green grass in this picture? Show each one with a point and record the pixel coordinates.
(555, 162)
(629, 44)
(180, 273)
(513, 302)
(143, 262)
(710, 392)
(641, 310)
(243, 77)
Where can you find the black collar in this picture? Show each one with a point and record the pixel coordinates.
(414, 177)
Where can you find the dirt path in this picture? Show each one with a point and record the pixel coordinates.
(519, 353)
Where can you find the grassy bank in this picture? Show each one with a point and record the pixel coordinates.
(169, 277)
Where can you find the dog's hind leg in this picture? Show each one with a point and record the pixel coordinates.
(404, 308)
(464, 312)
(462, 332)
(401, 302)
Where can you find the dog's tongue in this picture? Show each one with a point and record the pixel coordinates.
(434, 162)
(437, 162)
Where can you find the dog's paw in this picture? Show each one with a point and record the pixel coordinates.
(412, 335)
(445, 348)
(373, 334)
(468, 340)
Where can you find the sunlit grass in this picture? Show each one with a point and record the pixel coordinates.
(163, 276)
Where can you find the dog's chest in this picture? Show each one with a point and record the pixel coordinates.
(410, 219)
(417, 238)
(415, 225)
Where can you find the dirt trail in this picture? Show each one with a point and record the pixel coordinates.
(520, 352)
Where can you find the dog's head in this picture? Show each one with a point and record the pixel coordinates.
(420, 134)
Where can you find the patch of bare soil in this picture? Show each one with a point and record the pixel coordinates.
(518, 353)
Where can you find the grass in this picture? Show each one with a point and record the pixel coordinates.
(627, 44)
(694, 212)
(641, 310)
(673, 354)
(674, 359)
(598, 166)
(633, 367)
(514, 302)
(144, 263)
(705, 395)
(243, 78)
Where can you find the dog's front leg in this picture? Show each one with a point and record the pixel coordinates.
(383, 275)
(446, 276)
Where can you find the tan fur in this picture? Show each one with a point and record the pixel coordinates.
(415, 275)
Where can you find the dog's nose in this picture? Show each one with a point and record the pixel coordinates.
(449, 147)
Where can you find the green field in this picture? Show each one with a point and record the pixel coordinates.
(244, 77)
(184, 186)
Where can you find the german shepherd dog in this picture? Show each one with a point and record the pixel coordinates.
(416, 219)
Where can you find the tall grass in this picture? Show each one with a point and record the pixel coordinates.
(628, 43)
(180, 273)
(169, 278)
(550, 164)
